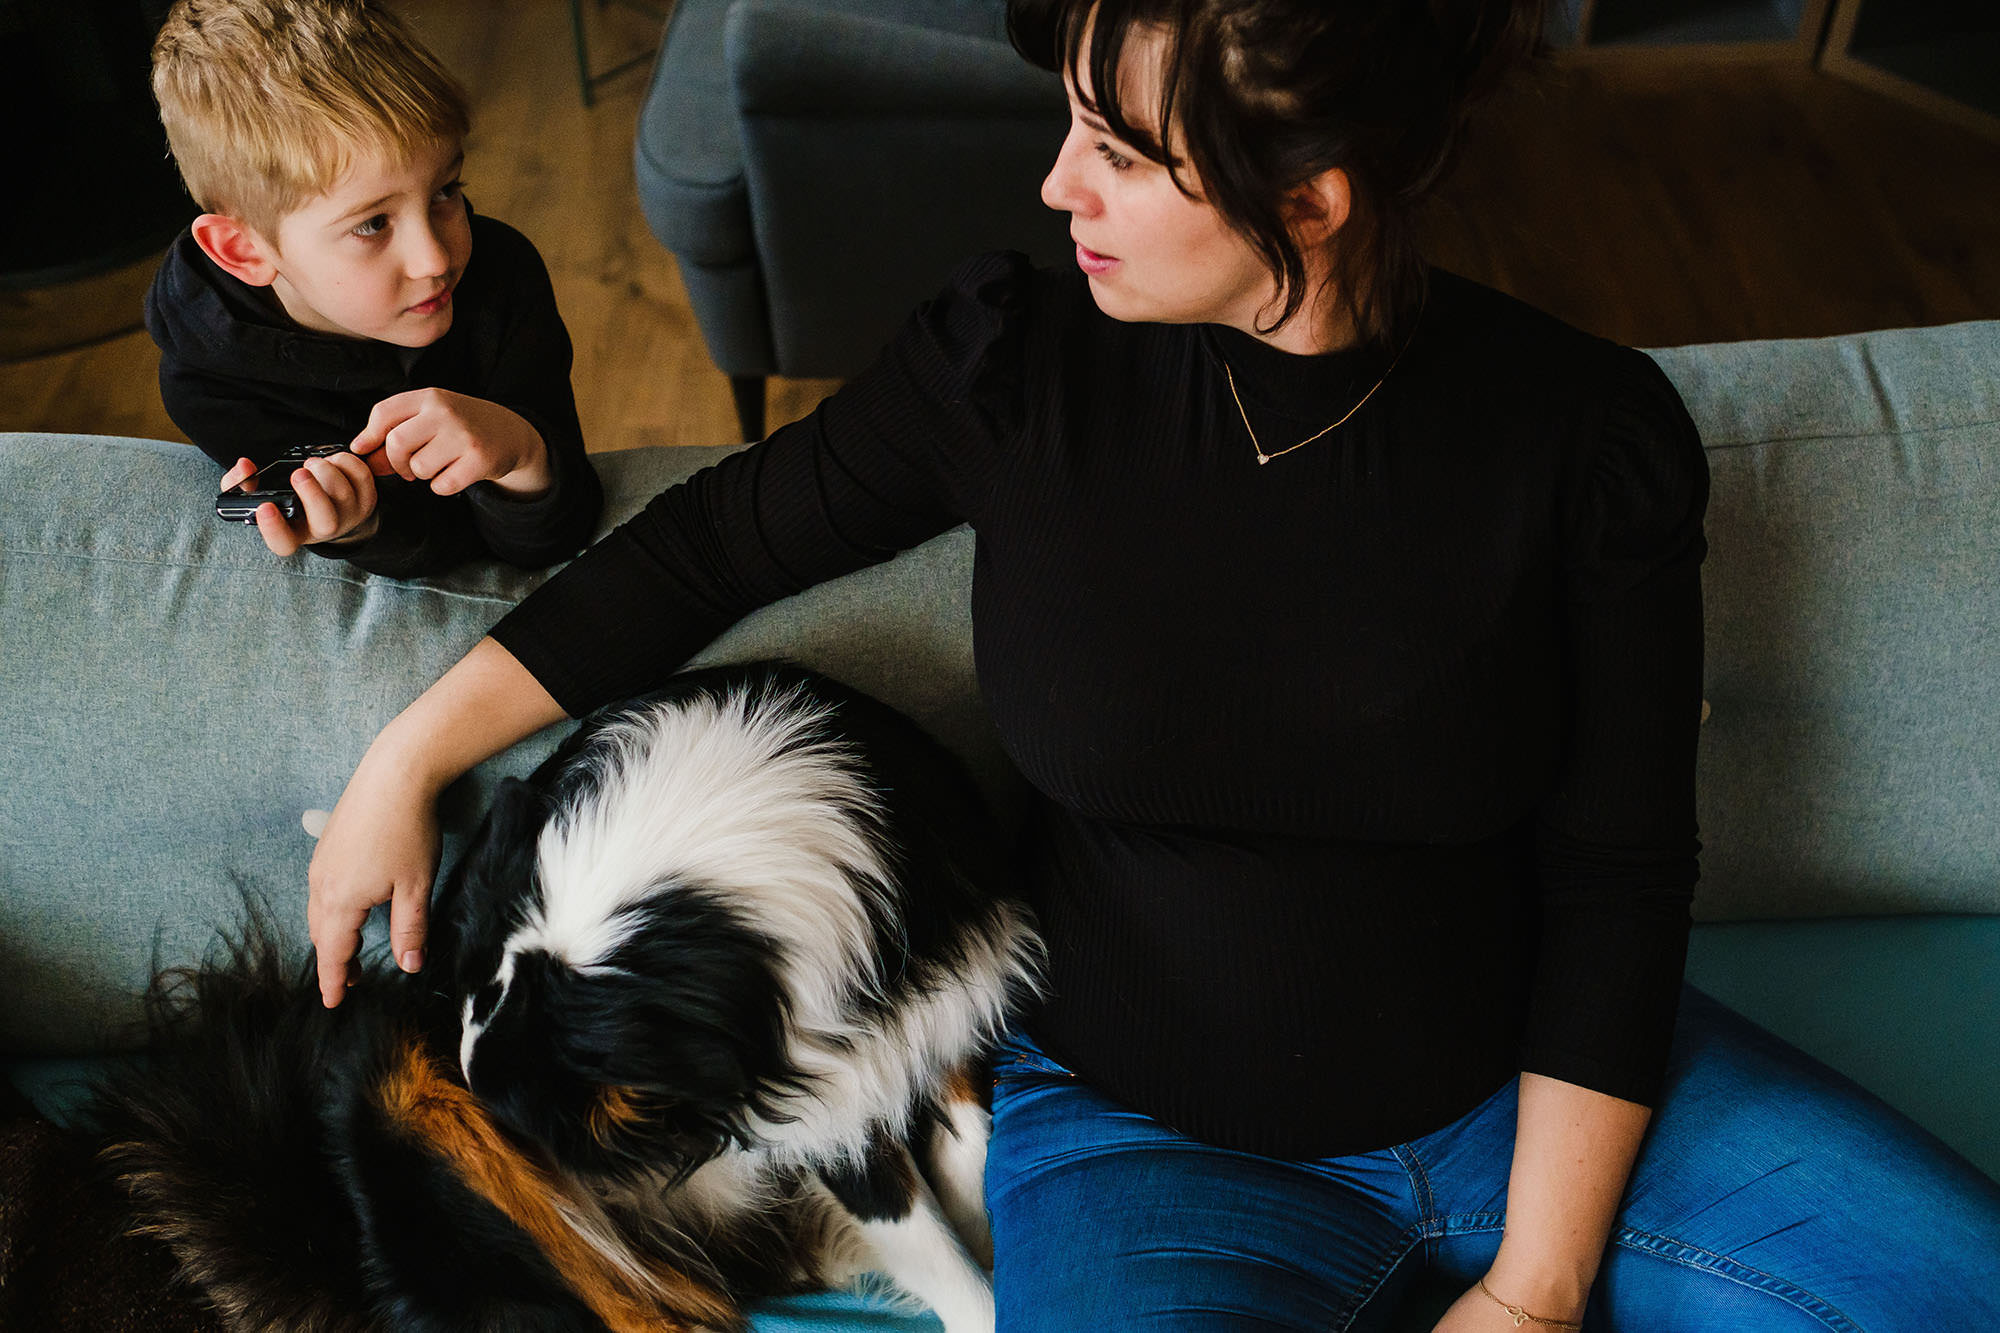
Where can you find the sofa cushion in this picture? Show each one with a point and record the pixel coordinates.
(1849, 766)
(1905, 1006)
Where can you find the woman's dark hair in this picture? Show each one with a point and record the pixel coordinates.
(1267, 94)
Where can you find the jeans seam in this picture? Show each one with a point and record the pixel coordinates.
(1420, 1183)
(1734, 1270)
(1420, 1232)
(1470, 1224)
(1412, 1237)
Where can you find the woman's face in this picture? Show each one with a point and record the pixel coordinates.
(1152, 254)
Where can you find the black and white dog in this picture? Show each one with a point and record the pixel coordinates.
(706, 998)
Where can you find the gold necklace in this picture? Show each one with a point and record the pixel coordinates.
(1262, 457)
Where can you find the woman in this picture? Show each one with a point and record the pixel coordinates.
(1346, 617)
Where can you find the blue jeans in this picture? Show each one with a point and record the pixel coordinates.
(1770, 1194)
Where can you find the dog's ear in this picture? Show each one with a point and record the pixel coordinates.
(512, 825)
(495, 873)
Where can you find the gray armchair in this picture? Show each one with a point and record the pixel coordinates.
(818, 166)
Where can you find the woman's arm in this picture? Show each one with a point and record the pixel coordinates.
(1573, 1151)
(381, 843)
(1615, 853)
(893, 459)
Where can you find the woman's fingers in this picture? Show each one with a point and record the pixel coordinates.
(336, 937)
(409, 923)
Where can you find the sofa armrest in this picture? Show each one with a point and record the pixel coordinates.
(877, 157)
(787, 58)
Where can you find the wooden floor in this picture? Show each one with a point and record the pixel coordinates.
(1654, 204)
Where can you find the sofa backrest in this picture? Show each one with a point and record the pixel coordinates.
(1851, 763)
(172, 697)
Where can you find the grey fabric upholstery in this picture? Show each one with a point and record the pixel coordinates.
(817, 167)
(1853, 612)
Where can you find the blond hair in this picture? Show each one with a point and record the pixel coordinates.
(267, 102)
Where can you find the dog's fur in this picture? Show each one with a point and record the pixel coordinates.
(704, 1003)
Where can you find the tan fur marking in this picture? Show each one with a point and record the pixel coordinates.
(615, 1109)
(959, 1087)
(450, 1123)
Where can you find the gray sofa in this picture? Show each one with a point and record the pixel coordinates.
(175, 697)
(818, 166)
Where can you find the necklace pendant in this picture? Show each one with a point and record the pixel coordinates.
(1263, 458)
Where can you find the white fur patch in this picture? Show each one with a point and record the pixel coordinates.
(752, 801)
(866, 1074)
(469, 1028)
(923, 1257)
(958, 1164)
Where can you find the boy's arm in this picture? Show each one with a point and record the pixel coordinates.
(416, 531)
(527, 371)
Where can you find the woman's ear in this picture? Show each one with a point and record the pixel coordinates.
(236, 249)
(1319, 208)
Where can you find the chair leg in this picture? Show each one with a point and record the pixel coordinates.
(582, 51)
(749, 393)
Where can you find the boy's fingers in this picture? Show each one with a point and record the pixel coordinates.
(360, 475)
(341, 490)
(331, 480)
(384, 417)
(277, 531)
(406, 445)
(320, 519)
(361, 469)
(431, 461)
(409, 918)
(244, 467)
(465, 469)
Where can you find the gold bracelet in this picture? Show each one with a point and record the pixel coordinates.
(1523, 1317)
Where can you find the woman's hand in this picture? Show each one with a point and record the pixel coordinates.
(381, 842)
(380, 845)
(1573, 1153)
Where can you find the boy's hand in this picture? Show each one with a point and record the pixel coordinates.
(336, 499)
(451, 440)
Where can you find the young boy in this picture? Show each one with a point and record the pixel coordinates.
(339, 290)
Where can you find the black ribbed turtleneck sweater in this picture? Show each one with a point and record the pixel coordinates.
(1366, 776)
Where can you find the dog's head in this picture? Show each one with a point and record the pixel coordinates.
(621, 1033)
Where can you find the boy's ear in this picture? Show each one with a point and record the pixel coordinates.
(1319, 208)
(236, 249)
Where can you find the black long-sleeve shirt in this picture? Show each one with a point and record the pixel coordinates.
(245, 381)
(1366, 776)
